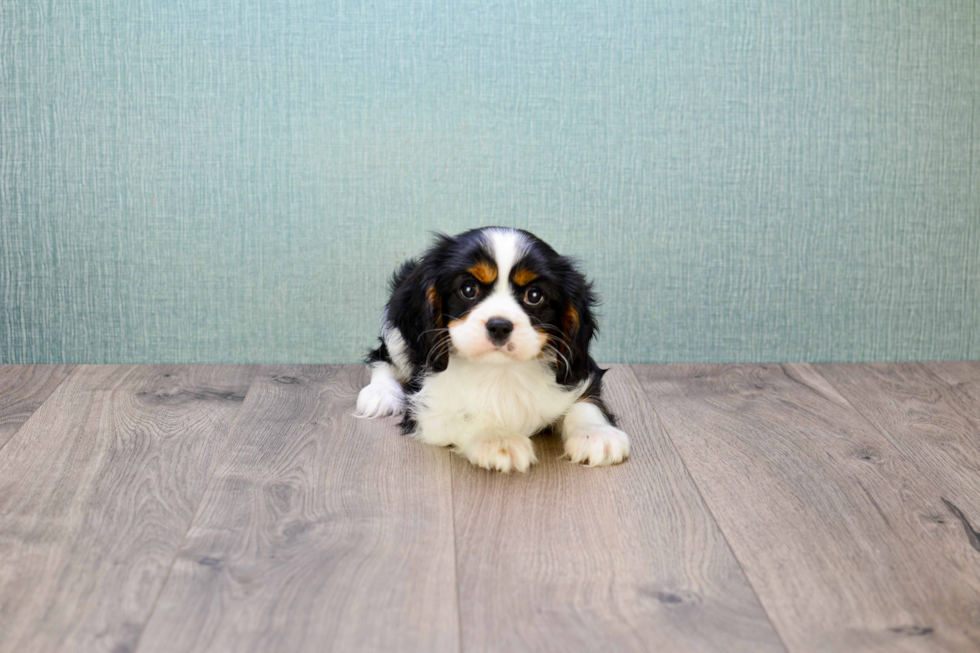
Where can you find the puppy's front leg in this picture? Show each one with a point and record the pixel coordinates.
(383, 396)
(590, 438)
(501, 451)
(483, 443)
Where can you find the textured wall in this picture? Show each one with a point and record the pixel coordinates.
(207, 180)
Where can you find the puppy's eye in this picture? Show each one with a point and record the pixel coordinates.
(533, 297)
(469, 290)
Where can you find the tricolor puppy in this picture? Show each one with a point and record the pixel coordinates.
(485, 342)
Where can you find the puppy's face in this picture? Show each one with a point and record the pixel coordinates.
(505, 295)
(493, 300)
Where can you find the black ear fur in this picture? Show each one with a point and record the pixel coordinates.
(415, 309)
(578, 325)
(436, 335)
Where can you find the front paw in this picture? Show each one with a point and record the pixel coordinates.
(380, 399)
(501, 453)
(598, 446)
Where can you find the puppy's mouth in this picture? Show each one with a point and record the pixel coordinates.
(491, 352)
(499, 353)
(508, 347)
(505, 352)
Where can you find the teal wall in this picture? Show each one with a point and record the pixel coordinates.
(207, 180)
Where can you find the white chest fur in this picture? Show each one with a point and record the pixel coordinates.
(470, 399)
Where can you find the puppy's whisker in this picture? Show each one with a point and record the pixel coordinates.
(556, 336)
(446, 329)
(568, 365)
(431, 331)
(561, 341)
(545, 326)
(440, 348)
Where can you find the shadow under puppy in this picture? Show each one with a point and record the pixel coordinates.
(485, 342)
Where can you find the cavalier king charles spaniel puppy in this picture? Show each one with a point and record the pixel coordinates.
(485, 342)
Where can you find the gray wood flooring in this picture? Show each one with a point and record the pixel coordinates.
(243, 508)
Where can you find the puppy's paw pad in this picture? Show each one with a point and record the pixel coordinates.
(502, 454)
(604, 445)
(380, 400)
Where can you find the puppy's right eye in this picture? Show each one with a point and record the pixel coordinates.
(469, 290)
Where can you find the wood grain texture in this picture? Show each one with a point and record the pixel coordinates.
(97, 490)
(934, 423)
(963, 375)
(319, 532)
(568, 558)
(836, 529)
(23, 388)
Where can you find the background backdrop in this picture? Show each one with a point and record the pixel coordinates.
(208, 180)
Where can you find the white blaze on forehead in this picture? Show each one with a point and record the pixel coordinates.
(508, 247)
(469, 336)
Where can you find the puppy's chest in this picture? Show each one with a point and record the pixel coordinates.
(522, 396)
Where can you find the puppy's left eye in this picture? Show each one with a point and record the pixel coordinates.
(469, 290)
(533, 296)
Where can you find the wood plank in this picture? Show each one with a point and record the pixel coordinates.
(935, 423)
(835, 528)
(320, 532)
(23, 388)
(964, 375)
(97, 489)
(568, 558)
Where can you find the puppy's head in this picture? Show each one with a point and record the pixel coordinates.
(504, 295)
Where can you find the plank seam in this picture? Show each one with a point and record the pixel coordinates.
(966, 414)
(456, 577)
(886, 436)
(707, 506)
(197, 511)
(71, 371)
(970, 533)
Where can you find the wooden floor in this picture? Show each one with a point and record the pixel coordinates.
(239, 508)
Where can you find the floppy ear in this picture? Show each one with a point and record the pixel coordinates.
(577, 327)
(436, 336)
(435, 342)
(415, 309)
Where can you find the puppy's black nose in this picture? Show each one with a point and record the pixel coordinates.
(499, 329)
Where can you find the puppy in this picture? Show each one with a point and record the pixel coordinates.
(485, 342)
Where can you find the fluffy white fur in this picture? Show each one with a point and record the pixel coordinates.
(489, 411)
(590, 439)
(393, 339)
(383, 396)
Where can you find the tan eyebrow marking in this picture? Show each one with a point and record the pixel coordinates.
(524, 276)
(484, 272)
